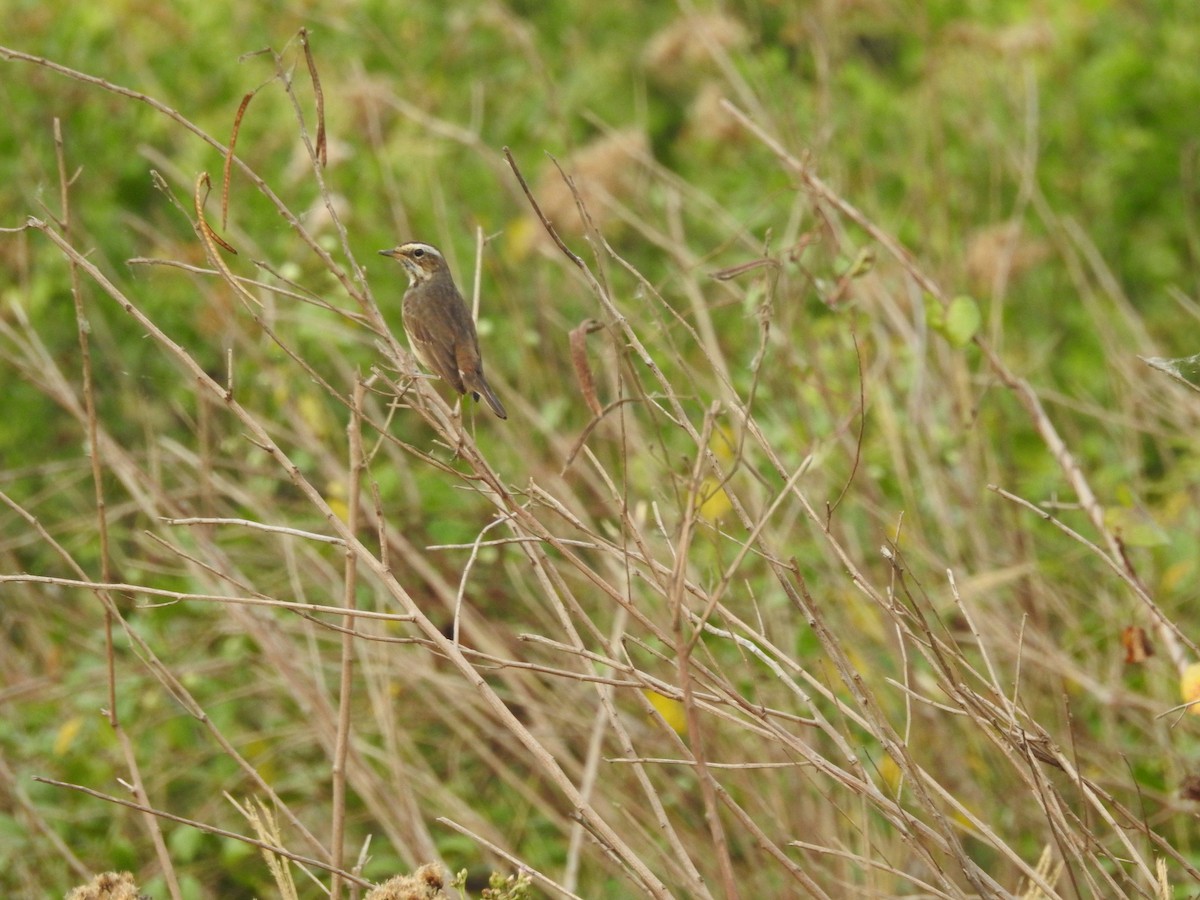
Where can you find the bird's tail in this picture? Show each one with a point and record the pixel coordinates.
(481, 387)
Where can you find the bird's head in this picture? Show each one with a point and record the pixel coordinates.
(421, 261)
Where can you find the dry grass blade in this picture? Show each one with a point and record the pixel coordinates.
(583, 368)
(546, 223)
(201, 826)
(319, 95)
(211, 239)
(227, 170)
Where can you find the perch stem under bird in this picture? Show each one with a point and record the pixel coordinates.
(438, 324)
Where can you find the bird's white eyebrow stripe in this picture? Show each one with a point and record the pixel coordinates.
(418, 245)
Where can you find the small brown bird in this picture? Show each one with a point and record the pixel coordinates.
(439, 325)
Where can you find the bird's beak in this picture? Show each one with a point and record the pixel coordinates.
(391, 252)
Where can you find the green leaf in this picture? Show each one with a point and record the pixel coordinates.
(185, 843)
(1185, 370)
(962, 321)
(958, 322)
(935, 314)
(1135, 527)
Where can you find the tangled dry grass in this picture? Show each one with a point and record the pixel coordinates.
(755, 602)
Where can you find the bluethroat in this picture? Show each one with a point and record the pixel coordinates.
(440, 330)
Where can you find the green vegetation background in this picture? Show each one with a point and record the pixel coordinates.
(918, 113)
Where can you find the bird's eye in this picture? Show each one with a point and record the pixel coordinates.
(418, 253)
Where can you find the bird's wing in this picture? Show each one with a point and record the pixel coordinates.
(437, 355)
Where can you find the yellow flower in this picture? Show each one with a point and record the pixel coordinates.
(671, 710)
(1189, 687)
